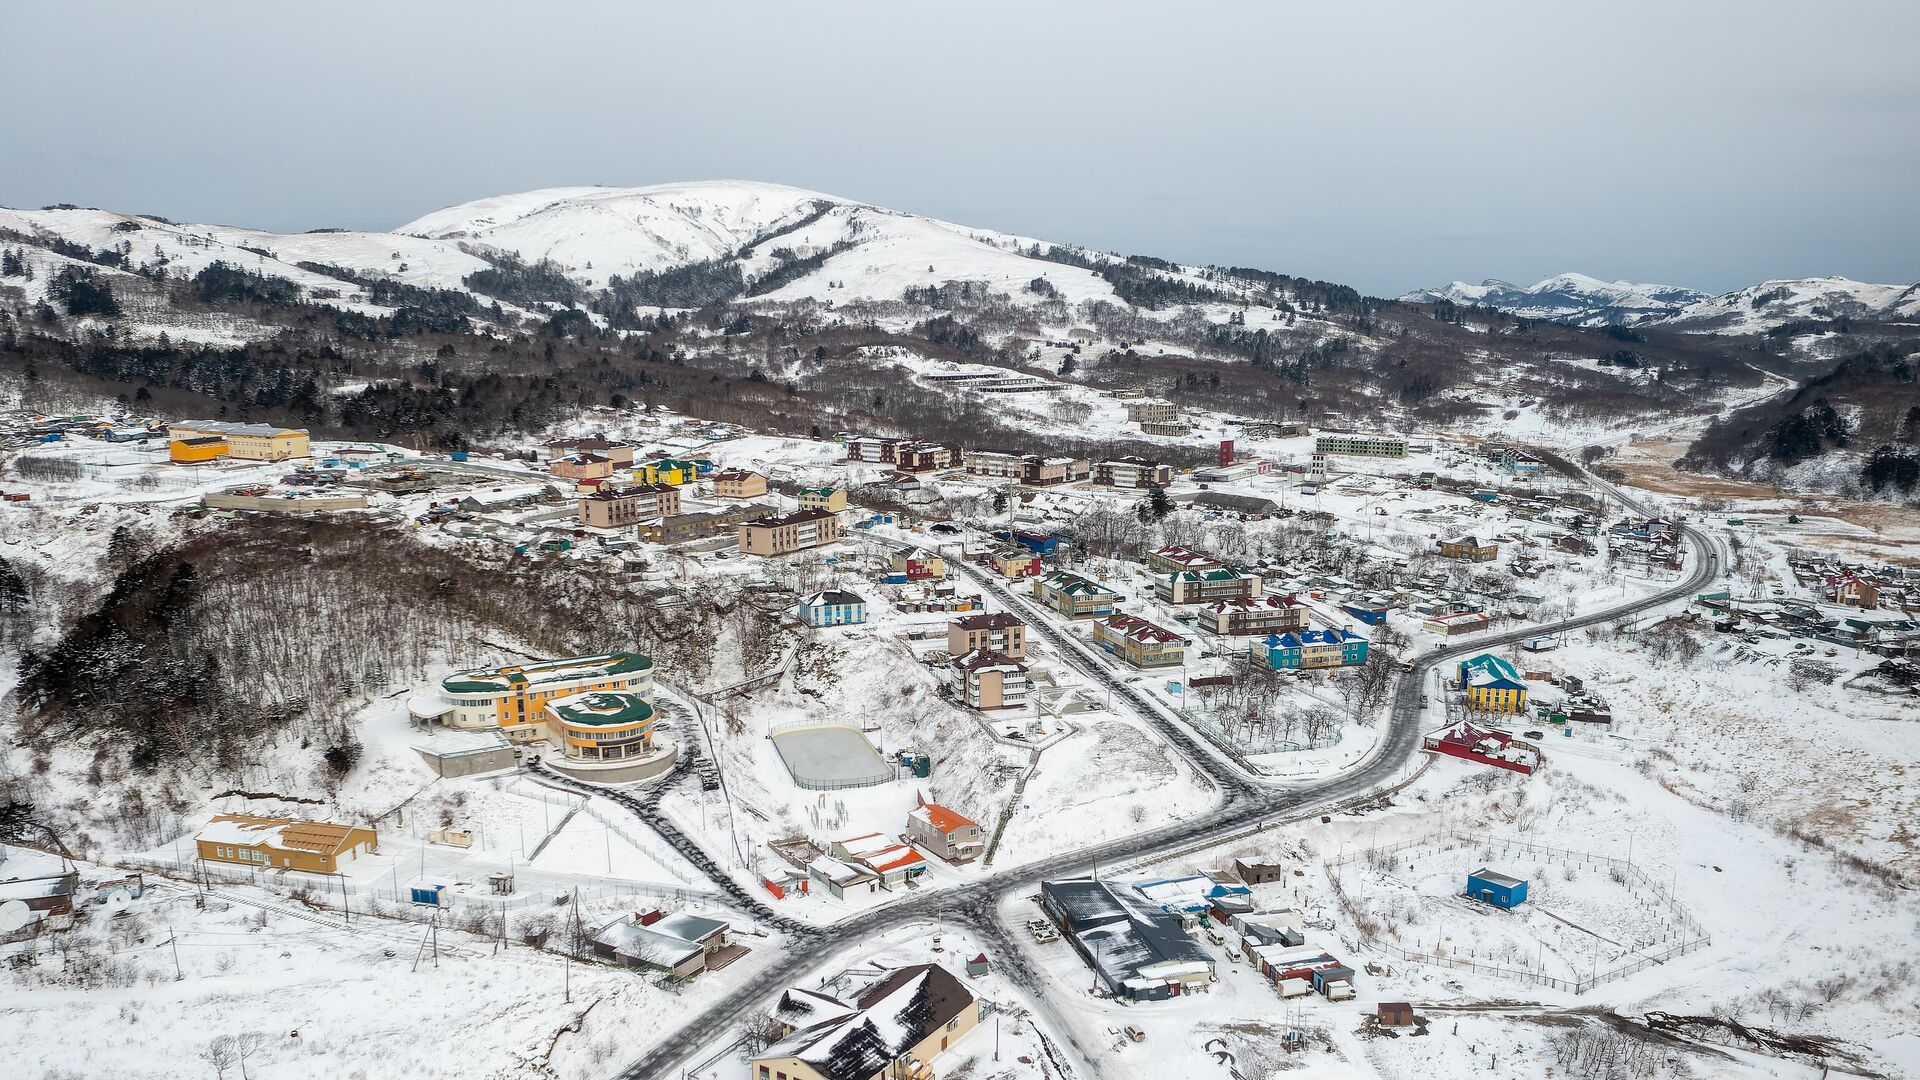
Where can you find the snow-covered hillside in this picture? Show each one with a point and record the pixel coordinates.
(593, 233)
(1579, 300)
(1575, 299)
(1770, 303)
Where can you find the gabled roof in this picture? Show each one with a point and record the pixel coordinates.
(894, 1014)
(940, 817)
(1072, 584)
(832, 598)
(1488, 670)
(1139, 629)
(987, 660)
(794, 518)
(285, 834)
(995, 620)
(1295, 639)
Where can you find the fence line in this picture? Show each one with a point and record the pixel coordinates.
(324, 890)
(1692, 934)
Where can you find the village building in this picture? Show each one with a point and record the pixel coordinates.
(601, 727)
(611, 507)
(582, 469)
(787, 533)
(513, 698)
(1453, 624)
(1493, 887)
(823, 498)
(1469, 547)
(701, 524)
(1254, 615)
(995, 631)
(1852, 590)
(1175, 429)
(43, 882)
(948, 834)
(842, 879)
(247, 442)
(739, 484)
(1492, 684)
(1132, 472)
(924, 456)
(886, 858)
(834, 607)
(283, 843)
(1354, 445)
(991, 680)
(873, 450)
(682, 944)
(1469, 742)
(1139, 642)
(1047, 471)
(1151, 409)
(895, 1029)
(1136, 949)
(196, 449)
(1309, 649)
(1011, 561)
(618, 453)
(674, 471)
(1174, 558)
(994, 463)
(1074, 596)
(917, 565)
(1206, 586)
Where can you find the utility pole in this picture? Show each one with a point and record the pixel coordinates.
(173, 939)
(345, 911)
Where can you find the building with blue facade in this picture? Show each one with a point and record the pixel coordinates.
(1493, 887)
(833, 608)
(1310, 649)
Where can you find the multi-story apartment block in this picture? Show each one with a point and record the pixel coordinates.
(1042, 471)
(994, 463)
(1174, 558)
(1132, 472)
(1254, 615)
(1310, 649)
(1139, 642)
(1074, 596)
(739, 484)
(1206, 586)
(1177, 429)
(823, 498)
(613, 508)
(991, 680)
(923, 456)
(1352, 445)
(581, 468)
(788, 533)
(988, 632)
(873, 450)
(1152, 410)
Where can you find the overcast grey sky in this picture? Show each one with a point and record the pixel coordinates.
(1388, 146)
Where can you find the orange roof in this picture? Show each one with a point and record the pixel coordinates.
(892, 858)
(942, 818)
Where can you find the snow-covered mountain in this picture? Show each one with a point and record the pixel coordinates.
(1771, 303)
(872, 252)
(1575, 299)
(1579, 300)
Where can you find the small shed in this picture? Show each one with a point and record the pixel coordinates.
(977, 966)
(1493, 887)
(1395, 1014)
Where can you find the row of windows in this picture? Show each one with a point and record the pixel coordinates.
(243, 854)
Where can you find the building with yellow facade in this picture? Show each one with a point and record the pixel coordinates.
(246, 442)
(823, 498)
(596, 711)
(1492, 685)
(283, 843)
(198, 450)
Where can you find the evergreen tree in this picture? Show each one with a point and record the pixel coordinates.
(14, 597)
(1158, 505)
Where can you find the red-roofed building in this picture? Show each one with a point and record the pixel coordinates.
(1499, 749)
(1139, 642)
(1853, 591)
(946, 833)
(887, 858)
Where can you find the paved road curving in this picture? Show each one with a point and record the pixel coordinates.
(1246, 801)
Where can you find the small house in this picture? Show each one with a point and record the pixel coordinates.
(1395, 1014)
(1493, 887)
(978, 966)
(834, 607)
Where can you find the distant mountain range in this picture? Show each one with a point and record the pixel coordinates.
(1579, 300)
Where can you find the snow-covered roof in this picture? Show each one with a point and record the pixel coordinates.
(893, 1015)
